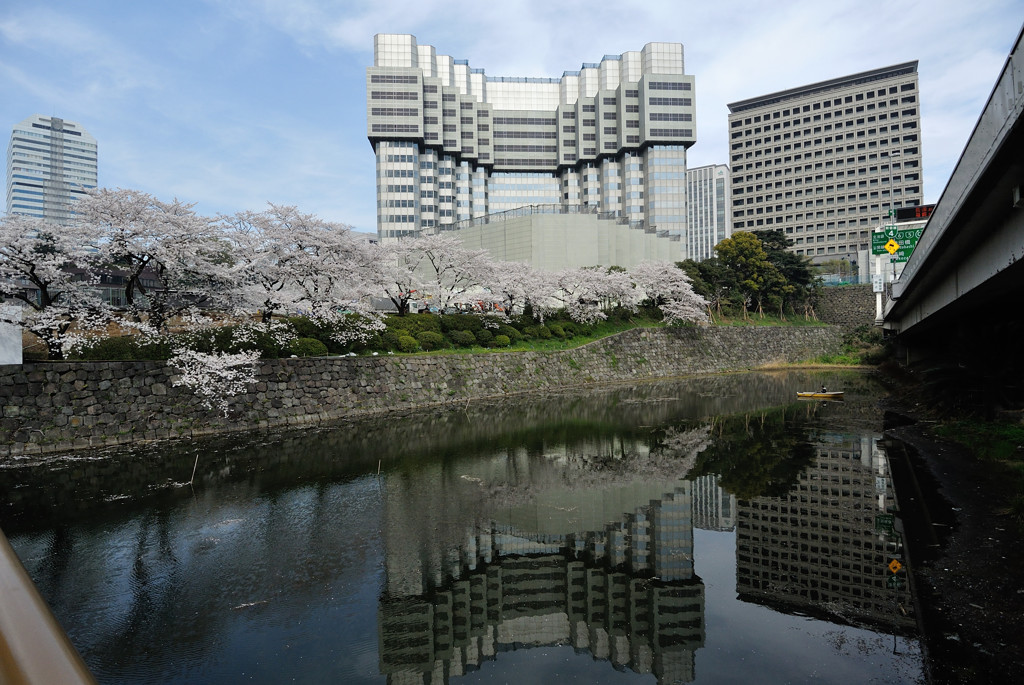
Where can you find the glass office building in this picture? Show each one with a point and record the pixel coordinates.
(51, 163)
(709, 217)
(453, 144)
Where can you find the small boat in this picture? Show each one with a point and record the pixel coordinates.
(831, 395)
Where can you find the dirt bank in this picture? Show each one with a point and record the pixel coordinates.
(966, 560)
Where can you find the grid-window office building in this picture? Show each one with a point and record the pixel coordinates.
(824, 163)
(709, 211)
(51, 163)
(453, 144)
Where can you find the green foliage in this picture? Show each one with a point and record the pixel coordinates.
(126, 348)
(324, 332)
(462, 338)
(987, 440)
(303, 327)
(428, 331)
(389, 339)
(754, 270)
(430, 340)
(757, 455)
(460, 322)
(407, 343)
(715, 282)
(109, 349)
(866, 344)
(510, 332)
(415, 323)
(307, 347)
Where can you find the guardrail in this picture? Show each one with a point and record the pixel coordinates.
(34, 649)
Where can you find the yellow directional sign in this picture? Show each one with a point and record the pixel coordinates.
(892, 246)
(895, 566)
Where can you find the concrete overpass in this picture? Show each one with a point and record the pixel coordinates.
(962, 290)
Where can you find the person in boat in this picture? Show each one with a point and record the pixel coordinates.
(823, 388)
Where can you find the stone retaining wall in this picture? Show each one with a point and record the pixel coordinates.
(848, 306)
(60, 406)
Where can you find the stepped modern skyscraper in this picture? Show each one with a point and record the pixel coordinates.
(454, 145)
(826, 162)
(50, 164)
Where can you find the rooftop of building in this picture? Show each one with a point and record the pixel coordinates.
(863, 77)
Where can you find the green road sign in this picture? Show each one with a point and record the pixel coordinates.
(905, 238)
(884, 522)
(895, 582)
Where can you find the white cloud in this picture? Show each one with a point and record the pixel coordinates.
(233, 103)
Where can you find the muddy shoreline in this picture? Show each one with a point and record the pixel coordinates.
(967, 566)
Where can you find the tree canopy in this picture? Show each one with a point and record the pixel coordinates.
(754, 271)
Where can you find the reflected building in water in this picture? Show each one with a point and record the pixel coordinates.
(825, 547)
(626, 593)
(713, 507)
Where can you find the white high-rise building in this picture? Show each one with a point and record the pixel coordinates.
(454, 145)
(51, 162)
(709, 217)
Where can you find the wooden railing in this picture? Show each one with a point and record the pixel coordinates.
(34, 650)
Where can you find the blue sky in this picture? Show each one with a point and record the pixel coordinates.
(234, 103)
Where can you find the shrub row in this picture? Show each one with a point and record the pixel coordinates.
(410, 333)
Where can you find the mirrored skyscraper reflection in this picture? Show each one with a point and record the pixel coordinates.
(626, 593)
(825, 548)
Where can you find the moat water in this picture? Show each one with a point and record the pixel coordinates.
(707, 530)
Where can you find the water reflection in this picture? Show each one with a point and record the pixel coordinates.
(566, 521)
(824, 547)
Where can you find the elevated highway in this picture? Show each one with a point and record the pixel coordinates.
(961, 292)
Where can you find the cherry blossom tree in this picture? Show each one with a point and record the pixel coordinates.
(452, 273)
(171, 259)
(399, 274)
(46, 267)
(289, 261)
(513, 285)
(332, 275)
(580, 292)
(617, 289)
(262, 256)
(215, 378)
(667, 286)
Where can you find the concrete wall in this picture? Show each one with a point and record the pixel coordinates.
(59, 406)
(10, 335)
(552, 242)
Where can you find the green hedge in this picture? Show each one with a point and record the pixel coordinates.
(429, 340)
(407, 343)
(462, 338)
(307, 347)
(401, 334)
